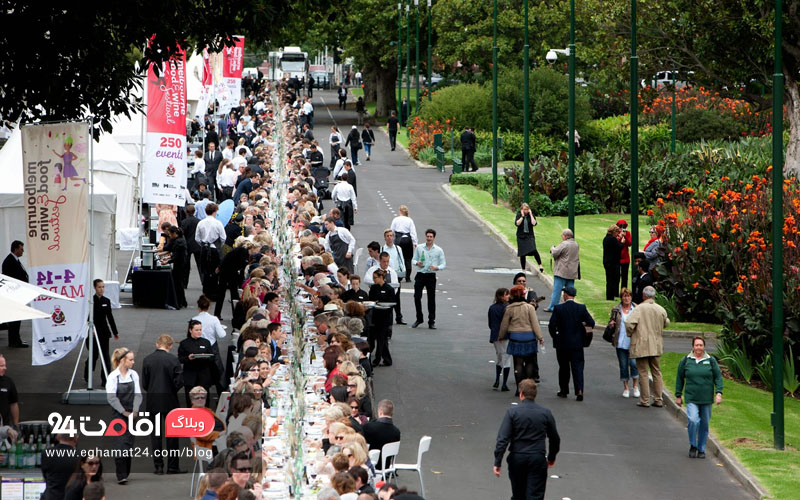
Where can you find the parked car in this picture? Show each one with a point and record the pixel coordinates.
(664, 79)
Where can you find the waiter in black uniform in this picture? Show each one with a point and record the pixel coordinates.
(13, 267)
(105, 327)
(523, 431)
(162, 378)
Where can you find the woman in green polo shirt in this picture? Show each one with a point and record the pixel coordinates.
(700, 378)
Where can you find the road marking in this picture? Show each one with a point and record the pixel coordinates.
(586, 453)
(328, 110)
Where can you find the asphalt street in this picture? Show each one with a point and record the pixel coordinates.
(441, 379)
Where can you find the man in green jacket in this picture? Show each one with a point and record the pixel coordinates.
(700, 378)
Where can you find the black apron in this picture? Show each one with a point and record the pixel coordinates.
(126, 392)
(339, 250)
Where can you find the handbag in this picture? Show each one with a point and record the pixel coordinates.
(608, 333)
(587, 340)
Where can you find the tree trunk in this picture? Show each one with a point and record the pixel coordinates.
(791, 167)
(386, 87)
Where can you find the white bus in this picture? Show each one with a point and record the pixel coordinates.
(289, 62)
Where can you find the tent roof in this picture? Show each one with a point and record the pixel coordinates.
(12, 186)
(110, 156)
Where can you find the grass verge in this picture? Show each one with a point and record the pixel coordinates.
(590, 231)
(742, 424)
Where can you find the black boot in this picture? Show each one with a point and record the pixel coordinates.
(505, 379)
(498, 369)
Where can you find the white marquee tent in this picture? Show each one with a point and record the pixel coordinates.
(12, 211)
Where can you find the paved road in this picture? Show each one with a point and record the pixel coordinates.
(441, 380)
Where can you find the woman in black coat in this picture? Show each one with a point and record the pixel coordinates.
(178, 256)
(381, 317)
(354, 141)
(198, 369)
(526, 240)
(612, 249)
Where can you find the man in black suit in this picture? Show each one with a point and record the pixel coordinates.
(58, 464)
(162, 378)
(189, 227)
(643, 279)
(13, 267)
(382, 430)
(105, 326)
(212, 159)
(468, 147)
(568, 328)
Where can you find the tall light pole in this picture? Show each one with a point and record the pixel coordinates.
(777, 233)
(416, 25)
(634, 89)
(526, 112)
(494, 107)
(430, 57)
(571, 121)
(674, 130)
(399, 54)
(408, 64)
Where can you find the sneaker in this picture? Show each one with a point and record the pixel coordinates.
(124, 480)
(701, 454)
(636, 392)
(626, 393)
(693, 452)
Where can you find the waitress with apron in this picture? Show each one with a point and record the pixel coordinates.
(340, 243)
(125, 397)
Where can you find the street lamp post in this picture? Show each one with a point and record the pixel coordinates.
(526, 112)
(399, 54)
(674, 130)
(408, 65)
(777, 233)
(634, 88)
(416, 25)
(571, 120)
(494, 108)
(430, 57)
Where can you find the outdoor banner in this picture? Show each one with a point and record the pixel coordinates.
(207, 88)
(164, 179)
(55, 163)
(229, 88)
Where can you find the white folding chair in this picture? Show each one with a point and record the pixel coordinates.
(388, 454)
(198, 471)
(357, 257)
(424, 446)
(374, 456)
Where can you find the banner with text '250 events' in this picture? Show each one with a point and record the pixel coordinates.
(229, 90)
(164, 179)
(55, 162)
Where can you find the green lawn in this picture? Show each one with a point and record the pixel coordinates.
(742, 424)
(402, 138)
(590, 231)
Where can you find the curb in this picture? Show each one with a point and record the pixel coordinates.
(715, 448)
(548, 280)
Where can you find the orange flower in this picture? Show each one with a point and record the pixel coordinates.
(714, 280)
(715, 236)
(739, 288)
(717, 273)
(685, 245)
(695, 284)
(699, 249)
(650, 212)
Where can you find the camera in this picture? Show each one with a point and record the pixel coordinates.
(551, 56)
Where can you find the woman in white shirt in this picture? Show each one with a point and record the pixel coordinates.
(226, 180)
(125, 397)
(405, 236)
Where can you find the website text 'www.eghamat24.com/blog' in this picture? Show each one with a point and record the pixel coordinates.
(133, 452)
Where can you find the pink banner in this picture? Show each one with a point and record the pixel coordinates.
(233, 59)
(164, 179)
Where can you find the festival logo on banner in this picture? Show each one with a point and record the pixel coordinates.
(55, 170)
(229, 90)
(164, 179)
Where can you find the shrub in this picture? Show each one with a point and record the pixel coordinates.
(705, 124)
(615, 133)
(548, 102)
(466, 104)
(427, 156)
(482, 182)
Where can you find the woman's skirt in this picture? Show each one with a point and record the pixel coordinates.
(522, 344)
(526, 245)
